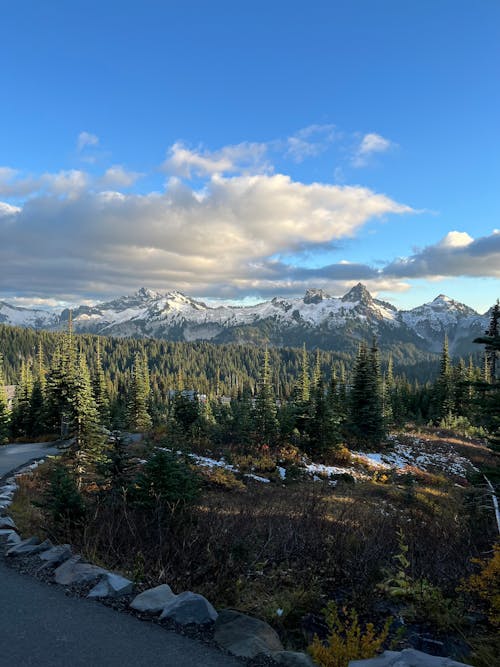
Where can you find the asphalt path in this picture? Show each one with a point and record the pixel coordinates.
(13, 456)
(40, 626)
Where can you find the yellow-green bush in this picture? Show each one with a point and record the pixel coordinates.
(346, 639)
(486, 585)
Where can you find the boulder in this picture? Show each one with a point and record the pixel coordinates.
(7, 522)
(245, 636)
(111, 586)
(293, 659)
(73, 571)
(29, 547)
(57, 555)
(153, 600)
(13, 538)
(7, 532)
(10, 536)
(189, 608)
(407, 658)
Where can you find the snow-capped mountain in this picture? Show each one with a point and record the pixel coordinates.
(316, 318)
(27, 317)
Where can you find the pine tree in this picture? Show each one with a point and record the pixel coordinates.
(85, 423)
(265, 405)
(490, 402)
(242, 418)
(37, 403)
(490, 351)
(138, 414)
(21, 413)
(323, 425)
(366, 419)
(4, 412)
(443, 394)
(100, 388)
(303, 385)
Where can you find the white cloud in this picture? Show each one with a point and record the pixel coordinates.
(86, 139)
(310, 141)
(117, 176)
(8, 209)
(218, 241)
(369, 145)
(245, 157)
(456, 240)
(65, 182)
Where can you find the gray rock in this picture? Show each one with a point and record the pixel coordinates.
(153, 600)
(56, 555)
(189, 608)
(8, 489)
(29, 547)
(407, 658)
(75, 572)
(245, 636)
(111, 586)
(7, 522)
(293, 659)
(11, 536)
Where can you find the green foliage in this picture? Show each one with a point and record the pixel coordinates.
(366, 417)
(165, 480)
(347, 640)
(138, 413)
(4, 413)
(62, 497)
(421, 601)
(266, 424)
(485, 584)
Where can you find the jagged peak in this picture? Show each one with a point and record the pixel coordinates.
(315, 295)
(145, 293)
(358, 293)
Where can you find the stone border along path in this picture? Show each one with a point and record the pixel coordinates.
(248, 639)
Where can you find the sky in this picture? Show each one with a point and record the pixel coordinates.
(240, 151)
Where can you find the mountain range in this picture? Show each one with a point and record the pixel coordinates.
(318, 319)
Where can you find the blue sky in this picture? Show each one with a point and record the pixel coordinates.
(244, 150)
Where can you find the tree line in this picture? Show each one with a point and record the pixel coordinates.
(82, 386)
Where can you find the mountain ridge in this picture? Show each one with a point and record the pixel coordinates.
(316, 318)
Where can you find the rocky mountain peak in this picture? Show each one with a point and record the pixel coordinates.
(315, 295)
(358, 293)
(146, 294)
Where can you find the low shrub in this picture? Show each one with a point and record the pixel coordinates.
(347, 640)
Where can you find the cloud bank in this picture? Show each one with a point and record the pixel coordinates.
(74, 237)
(216, 228)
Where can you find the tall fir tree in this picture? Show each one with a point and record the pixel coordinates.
(266, 422)
(100, 388)
(138, 413)
(443, 393)
(4, 412)
(89, 439)
(21, 413)
(366, 419)
(490, 392)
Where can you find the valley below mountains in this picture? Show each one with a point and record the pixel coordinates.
(317, 319)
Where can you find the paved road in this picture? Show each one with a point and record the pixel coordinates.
(13, 456)
(40, 626)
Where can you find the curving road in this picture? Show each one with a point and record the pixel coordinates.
(13, 456)
(40, 626)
